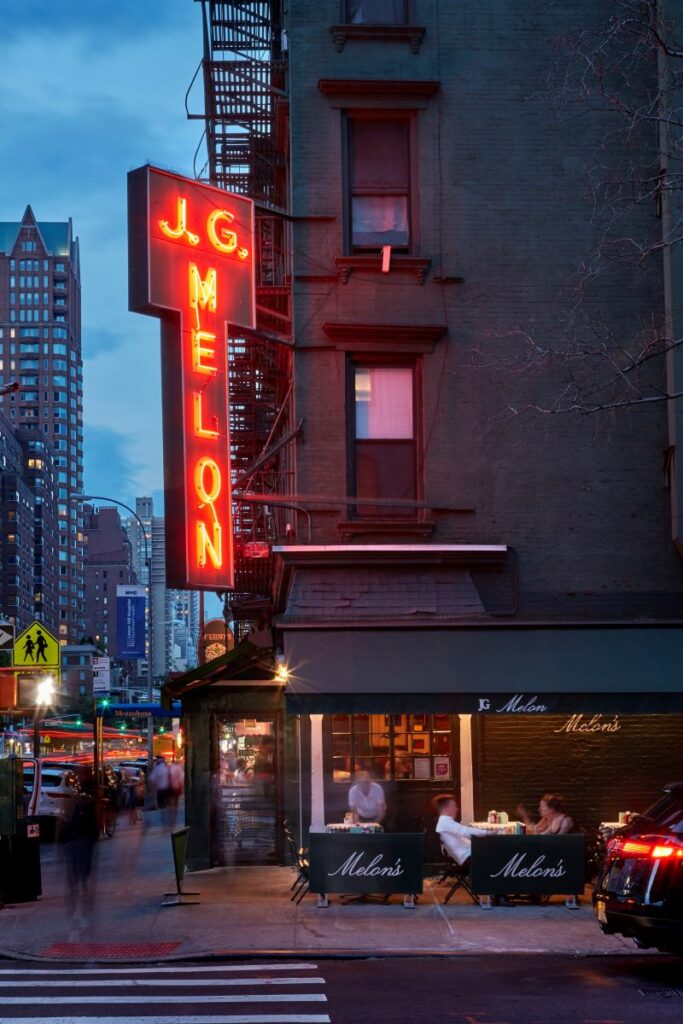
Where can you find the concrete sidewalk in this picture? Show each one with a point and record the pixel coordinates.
(248, 910)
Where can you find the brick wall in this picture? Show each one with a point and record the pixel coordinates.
(599, 774)
(504, 202)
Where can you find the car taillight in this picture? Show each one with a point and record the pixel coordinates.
(666, 851)
(636, 849)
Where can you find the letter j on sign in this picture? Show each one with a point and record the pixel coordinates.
(191, 263)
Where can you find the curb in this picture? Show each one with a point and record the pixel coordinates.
(225, 956)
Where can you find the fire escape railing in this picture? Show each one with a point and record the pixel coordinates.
(245, 101)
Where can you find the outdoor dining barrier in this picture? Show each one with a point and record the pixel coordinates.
(351, 863)
(535, 865)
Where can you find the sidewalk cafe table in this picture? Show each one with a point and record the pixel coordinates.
(338, 827)
(508, 828)
(362, 861)
(528, 865)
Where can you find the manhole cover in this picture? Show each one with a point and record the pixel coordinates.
(109, 950)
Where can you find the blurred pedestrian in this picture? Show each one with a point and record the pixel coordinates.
(176, 778)
(78, 835)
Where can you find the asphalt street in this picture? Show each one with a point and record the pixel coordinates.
(458, 990)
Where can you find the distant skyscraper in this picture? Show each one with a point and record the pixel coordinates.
(40, 346)
(108, 564)
(175, 613)
(28, 529)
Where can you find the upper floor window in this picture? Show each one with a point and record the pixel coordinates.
(377, 12)
(379, 183)
(384, 442)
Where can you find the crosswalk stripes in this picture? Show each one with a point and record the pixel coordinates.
(277, 993)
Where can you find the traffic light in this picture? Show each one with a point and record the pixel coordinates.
(79, 720)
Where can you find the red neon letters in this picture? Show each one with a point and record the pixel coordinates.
(191, 264)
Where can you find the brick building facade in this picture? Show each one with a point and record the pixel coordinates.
(468, 565)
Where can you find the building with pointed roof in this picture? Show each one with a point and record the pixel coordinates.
(40, 347)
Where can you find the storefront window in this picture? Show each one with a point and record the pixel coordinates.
(392, 747)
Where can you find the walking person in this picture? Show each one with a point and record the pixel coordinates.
(78, 836)
(176, 782)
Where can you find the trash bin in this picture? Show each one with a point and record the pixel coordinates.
(20, 880)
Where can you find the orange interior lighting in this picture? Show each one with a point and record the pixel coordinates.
(199, 429)
(180, 230)
(203, 289)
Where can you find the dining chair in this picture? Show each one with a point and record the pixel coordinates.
(460, 873)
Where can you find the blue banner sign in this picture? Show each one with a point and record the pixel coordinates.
(130, 622)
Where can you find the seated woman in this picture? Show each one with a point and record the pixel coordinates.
(554, 821)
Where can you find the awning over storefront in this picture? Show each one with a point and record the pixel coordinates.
(487, 669)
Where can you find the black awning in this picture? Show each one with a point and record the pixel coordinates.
(488, 670)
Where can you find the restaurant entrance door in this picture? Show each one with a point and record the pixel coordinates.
(246, 789)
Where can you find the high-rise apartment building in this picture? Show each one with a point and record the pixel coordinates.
(40, 346)
(28, 529)
(108, 564)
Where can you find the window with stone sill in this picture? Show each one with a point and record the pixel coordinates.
(379, 185)
(383, 463)
(395, 748)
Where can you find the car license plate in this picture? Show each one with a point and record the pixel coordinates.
(600, 912)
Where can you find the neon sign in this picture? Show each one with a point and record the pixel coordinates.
(191, 265)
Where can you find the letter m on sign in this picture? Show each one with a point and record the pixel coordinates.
(190, 251)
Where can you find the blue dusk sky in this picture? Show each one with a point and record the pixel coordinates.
(90, 90)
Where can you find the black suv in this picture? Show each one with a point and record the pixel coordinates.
(639, 888)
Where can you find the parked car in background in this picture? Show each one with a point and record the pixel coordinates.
(639, 889)
(59, 787)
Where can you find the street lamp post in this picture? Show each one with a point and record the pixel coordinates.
(45, 692)
(150, 621)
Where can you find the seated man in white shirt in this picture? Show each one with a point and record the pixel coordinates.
(455, 837)
(366, 799)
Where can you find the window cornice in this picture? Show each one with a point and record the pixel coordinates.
(395, 338)
(411, 34)
(409, 94)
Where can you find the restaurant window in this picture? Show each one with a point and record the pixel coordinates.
(376, 12)
(384, 450)
(392, 747)
(379, 183)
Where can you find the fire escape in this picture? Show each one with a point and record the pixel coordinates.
(246, 116)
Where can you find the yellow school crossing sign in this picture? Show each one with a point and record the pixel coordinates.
(36, 648)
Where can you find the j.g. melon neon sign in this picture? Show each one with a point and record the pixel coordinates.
(191, 265)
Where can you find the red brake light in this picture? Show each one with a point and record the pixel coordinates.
(638, 849)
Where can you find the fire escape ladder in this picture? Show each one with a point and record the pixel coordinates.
(245, 89)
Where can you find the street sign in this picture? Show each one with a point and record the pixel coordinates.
(36, 648)
(101, 676)
(6, 636)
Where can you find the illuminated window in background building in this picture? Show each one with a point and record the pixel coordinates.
(379, 183)
(384, 449)
(377, 12)
(392, 747)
